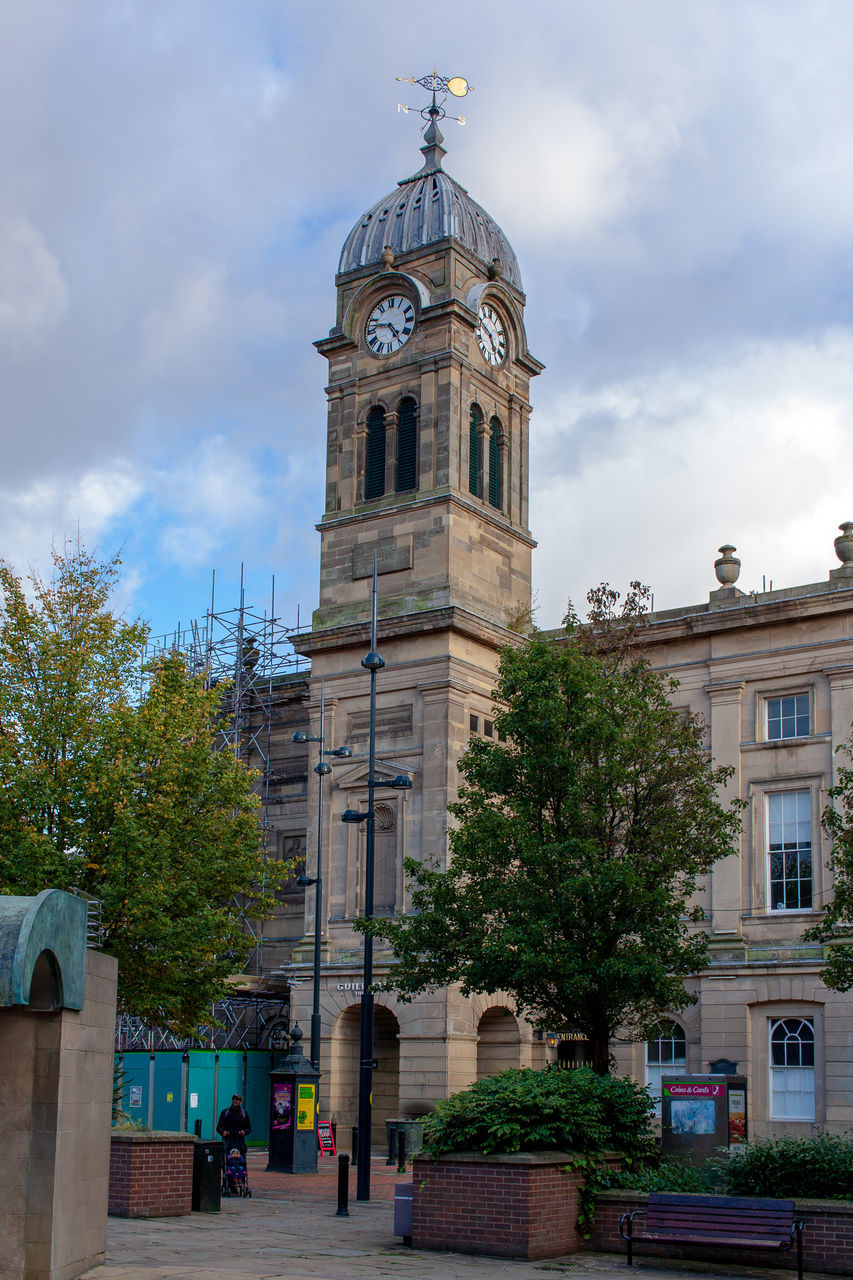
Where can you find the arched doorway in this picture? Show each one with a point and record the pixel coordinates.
(386, 1077)
(498, 1042)
(343, 1088)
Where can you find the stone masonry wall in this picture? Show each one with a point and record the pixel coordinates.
(827, 1237)
(151, 1174)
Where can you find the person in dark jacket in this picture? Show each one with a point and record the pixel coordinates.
(234, 1124)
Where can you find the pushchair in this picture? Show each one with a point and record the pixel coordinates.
(235, 1179)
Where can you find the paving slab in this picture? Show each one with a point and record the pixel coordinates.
(289, 1230)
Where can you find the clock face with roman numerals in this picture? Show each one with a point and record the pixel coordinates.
(491, 335)
(389, 325)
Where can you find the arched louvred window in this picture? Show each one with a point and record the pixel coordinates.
(407, 446)
(374, 480)
(474, 450)
(495, 477)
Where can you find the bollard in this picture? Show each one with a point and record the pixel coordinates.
(354, 1143)
(343, 1187)
(392, 1142)
(401, 1151)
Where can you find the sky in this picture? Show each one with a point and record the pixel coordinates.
(178, 177)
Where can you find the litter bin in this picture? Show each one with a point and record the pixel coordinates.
(207, 1177)
(403, 1193)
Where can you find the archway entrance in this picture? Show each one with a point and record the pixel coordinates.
(498, 1042)
(343, 1089)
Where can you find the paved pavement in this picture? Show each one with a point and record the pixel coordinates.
(289, 1230)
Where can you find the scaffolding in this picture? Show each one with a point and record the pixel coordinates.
(256, 1020)
(248, 653)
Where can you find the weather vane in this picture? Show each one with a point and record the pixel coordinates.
(436, 84)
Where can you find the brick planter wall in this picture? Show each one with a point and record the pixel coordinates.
(827, 1238)
(151, 1174)
(508, 1206)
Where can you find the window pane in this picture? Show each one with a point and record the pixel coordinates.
(788, 717)
(789, 850)
(792, 1069)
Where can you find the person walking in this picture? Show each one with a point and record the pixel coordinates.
(234, 1124)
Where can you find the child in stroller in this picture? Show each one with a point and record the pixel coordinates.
(235, 1181)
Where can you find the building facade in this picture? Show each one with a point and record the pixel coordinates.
(427, 472)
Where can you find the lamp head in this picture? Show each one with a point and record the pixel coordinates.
(373, 662)
(353, 815)
(305, 881)
(343, 753)
(322, 768)
(299, 736)
(401, 783)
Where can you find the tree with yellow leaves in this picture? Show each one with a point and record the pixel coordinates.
(111, 784)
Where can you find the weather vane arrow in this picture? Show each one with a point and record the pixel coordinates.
(435, 84)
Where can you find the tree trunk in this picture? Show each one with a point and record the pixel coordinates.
(600, 1045)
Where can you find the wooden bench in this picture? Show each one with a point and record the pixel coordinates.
(734, 1221)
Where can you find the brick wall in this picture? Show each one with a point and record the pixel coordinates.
(827, 1238)
(521, 1206)
(151, 1174)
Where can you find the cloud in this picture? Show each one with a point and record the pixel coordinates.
(32, 289)
(646, 478)
(50, 509)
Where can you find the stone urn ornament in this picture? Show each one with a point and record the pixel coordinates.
(727, 568)
(844, 545)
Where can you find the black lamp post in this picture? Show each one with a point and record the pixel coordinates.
(322, 769)
(372, 663)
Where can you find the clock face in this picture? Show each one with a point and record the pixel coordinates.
(389, 325)
(491, 335)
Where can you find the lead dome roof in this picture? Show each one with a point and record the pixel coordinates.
(423, 209)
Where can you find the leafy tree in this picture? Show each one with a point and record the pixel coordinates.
(110, 784)
(580, 836)
(836, 927)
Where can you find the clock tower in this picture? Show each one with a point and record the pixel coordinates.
(427, 471)
(429, 380)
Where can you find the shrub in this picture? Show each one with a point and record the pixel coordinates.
(550, 1110)
(674, 1175)
(819, 1168)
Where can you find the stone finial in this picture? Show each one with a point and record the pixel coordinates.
(844, 544)
(388, 257)
(495, 269)
(727, 568)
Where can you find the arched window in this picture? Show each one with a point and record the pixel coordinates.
(666, 1055)
(374, 479)
(474, 450)
(792, 1069)
(495, 476)
(407, 446)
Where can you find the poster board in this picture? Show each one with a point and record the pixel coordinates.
(326, 1138)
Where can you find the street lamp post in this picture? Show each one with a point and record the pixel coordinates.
(322, 770)
(372, 663)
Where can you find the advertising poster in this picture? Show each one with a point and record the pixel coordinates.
(325, 1138)
(693, 1106)
(737, 1117)
(282, 1104)
(305, 1107)
(136, 1095)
